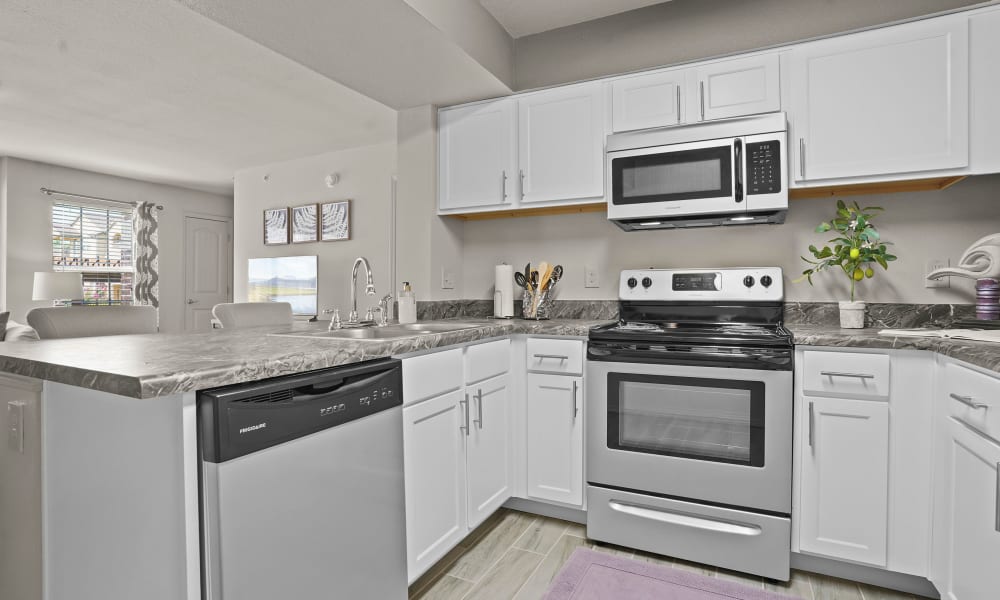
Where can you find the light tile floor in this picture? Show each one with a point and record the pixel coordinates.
(515, 556)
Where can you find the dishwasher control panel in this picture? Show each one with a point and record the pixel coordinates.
(238, 420)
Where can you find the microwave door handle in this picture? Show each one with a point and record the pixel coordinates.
(738, 160)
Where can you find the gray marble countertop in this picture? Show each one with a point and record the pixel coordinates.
(147, 366)
(981, 354)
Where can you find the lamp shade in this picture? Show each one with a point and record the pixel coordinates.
(57, 286)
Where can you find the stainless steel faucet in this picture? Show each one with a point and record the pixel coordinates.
(352, 319)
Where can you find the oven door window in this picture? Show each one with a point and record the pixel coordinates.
(672, 175)
(702, 419)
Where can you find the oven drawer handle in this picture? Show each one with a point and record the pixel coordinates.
(552, 356)
(969, 401)
(842, 374)
(685, 520)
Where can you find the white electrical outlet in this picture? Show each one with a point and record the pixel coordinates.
(590, 277)
(447, 279)
(934, 264)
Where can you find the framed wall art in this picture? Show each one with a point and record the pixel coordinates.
(305, 227)
(275, 226)
(336, 221)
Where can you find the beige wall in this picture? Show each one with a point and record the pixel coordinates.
(365, 179)
(923, 226)
(687, 30)
(28, 229)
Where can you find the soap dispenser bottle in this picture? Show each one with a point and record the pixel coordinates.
(407, 305)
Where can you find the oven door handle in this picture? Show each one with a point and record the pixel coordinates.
(738, 162)
(684, 519)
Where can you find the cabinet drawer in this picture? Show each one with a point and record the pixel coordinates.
(973, 398)
(483, 361)
(431, 375)
(845, 374)
(547, 355)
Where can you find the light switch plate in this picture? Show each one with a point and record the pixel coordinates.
(932, 265)
(15, 426)
(591, 279)
(447, 279)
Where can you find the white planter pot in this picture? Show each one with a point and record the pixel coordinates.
(852, 315)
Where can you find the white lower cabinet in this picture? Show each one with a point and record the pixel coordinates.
(845, 479)
(489, 464)
(554, 438)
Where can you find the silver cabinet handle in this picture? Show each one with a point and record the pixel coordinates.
(503, 185)
(521, 171)
(996, 525)
(802, 158)
(479, 405)
(969, 401)
(576, 407)
(812, 424)
(842, 374)
(701, 96)
(678, 88)
(554, 356)
(192, 301)
(465, 413)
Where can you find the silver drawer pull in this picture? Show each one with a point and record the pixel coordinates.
(465, 414)
(554, 356)
(812, 425)
(576, 408)
(685, 520)
(969, 401)
(841, 374)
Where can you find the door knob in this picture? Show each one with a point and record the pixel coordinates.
(192, 301)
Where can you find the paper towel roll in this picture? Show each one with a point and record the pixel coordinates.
(503, 296)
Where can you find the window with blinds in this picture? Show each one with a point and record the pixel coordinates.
(97, 242)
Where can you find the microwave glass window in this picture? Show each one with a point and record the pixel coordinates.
(720, 421)
(672, 175)
(676, 178)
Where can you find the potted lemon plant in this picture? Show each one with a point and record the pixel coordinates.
(855, 248)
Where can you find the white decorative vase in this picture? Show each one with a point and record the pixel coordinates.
(852, 315)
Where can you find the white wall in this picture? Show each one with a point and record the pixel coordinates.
(939, 224)
(365, 179)
(28, 229)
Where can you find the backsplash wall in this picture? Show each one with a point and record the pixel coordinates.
(923, 226)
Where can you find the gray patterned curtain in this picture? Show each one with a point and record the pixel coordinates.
(147, 262)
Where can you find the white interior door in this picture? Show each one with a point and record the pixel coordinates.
(208, 269)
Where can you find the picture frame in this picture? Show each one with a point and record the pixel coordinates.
(335, 221)
(303, 223)
(276, 227)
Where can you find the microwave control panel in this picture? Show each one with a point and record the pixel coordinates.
(764, 165)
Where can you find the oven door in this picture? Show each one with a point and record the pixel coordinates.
(710, 434)
(692, 178)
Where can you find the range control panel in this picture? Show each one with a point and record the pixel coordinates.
(764, 167)
(732, 284)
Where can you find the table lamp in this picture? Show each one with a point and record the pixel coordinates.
(62, 287)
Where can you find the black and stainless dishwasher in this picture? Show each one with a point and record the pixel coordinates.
(302, 486)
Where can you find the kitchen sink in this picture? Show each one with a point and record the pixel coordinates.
(389, 332)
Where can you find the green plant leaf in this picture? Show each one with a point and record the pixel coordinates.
(881, 261)
(841, 205)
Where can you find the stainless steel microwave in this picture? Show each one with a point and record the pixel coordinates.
(730, 172)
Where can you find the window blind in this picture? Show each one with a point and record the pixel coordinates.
(96, 241)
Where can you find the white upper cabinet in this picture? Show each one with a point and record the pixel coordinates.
(649, 100)
(561, 143)
(477, 155)
(882, 102)
(738, 87)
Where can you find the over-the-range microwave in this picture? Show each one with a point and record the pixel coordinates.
(729, 172)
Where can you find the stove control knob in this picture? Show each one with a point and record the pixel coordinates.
(766, 281)
(646, 282)
(748, 281)
(632, 282)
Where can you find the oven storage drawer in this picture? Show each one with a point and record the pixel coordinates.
(546, 355)
(733, 539)
(846, 374)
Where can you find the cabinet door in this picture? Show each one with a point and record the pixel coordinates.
(643, 101)
(845, 479)
(489, 461)
(894, 100)
(434, 461)
(973, 523)
(734, 88)
(476, 155)
(555, 438)
(561, 143)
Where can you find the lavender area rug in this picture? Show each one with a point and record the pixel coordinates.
(593, 575)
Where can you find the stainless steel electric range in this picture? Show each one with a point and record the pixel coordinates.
(689, 400)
